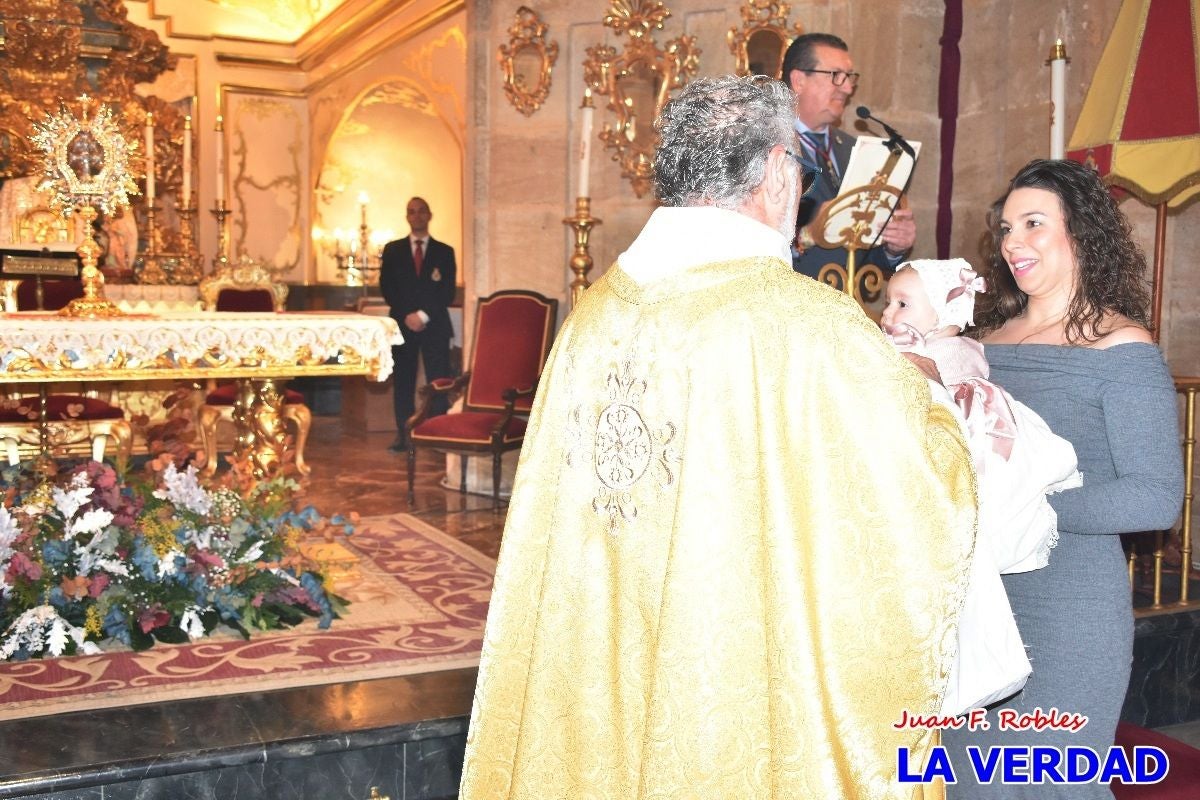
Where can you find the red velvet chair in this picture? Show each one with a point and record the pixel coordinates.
(71, 419)
(246, 287)
(512, 337)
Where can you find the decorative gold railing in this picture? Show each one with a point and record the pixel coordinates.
(1149, 577)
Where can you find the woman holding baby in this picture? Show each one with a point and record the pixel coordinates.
(1066, 332)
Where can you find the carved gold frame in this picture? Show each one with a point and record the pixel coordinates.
(632, 138)
(527, 33)
(761, 16)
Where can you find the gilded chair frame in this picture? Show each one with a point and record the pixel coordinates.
(246, 276)
(242, 276)
(64, 435)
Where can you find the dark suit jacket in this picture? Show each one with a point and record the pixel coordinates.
(826, 188)
(432, 292)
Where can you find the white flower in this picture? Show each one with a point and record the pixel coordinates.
(68, 502)
(184, 490)
(98, 552)
(8, 532)
(92, 521)
(42, 629)
(202, 539)
(166, 564)
(253, 554)
(190, 623)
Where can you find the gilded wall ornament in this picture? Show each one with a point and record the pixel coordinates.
(758, 46)
(527, 61)
(638, 82)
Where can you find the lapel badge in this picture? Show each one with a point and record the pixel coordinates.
(436, 274)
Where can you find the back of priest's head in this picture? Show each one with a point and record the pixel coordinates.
(714, 139)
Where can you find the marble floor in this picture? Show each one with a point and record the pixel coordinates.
(355, 471)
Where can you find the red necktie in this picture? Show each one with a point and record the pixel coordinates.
(419, 256)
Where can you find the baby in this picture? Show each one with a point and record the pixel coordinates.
(1018, 460)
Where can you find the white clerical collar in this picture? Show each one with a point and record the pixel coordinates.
(676, 239)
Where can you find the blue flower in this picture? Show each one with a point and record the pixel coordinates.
(317, 592)
(56, 552)
(116, 625)
(145, 559)
(57, 599)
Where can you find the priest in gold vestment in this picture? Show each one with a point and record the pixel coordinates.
(740, 531)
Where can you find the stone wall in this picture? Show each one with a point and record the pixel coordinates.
(521, 175)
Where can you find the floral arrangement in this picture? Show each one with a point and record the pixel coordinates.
(87, 558)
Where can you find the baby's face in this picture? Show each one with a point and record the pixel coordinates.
(908, 304)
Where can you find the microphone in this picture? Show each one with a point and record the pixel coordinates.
(896, 139)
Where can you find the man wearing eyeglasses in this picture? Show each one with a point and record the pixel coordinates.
(820, 72)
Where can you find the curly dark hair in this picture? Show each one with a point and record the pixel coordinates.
(1111, 265)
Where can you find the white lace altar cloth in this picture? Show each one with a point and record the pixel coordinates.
(38, 347)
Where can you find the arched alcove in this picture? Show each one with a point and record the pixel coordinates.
(391, 144)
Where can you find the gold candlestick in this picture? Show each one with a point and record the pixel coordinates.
(152, 271)
(93, 303)
(221, 259)
(187, 270)
(581, 260)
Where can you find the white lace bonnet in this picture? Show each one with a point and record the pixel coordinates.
(951, 285)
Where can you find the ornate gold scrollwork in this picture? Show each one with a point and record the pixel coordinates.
(53, 49)
(527, 60)
(638, 82)
(760, 43)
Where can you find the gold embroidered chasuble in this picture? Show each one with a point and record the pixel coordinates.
(737, 546)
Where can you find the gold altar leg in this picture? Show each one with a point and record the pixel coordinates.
(258, 422)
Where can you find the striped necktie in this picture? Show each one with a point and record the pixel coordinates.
(819, 143)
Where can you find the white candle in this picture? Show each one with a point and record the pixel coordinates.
(585, 144)
(1058, 99)
(220, 140)
(362, 202)
(149, 159)
(186, 200)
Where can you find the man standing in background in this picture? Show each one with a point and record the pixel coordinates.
(817, 67)
(417, 276)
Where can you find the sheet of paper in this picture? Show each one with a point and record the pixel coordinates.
(872, 163)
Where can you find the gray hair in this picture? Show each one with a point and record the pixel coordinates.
(715, 137)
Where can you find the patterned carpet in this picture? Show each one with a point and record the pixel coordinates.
(418, 601)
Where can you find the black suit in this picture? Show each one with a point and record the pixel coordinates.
(825, 189)
(431, 292)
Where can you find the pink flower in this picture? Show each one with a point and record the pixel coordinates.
(153, 617)
(98, 584)
(21, 566)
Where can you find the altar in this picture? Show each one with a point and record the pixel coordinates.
(256, 349)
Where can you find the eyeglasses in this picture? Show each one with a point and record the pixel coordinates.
(808, 172)
(839, 77)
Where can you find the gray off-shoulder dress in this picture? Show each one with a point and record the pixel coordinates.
(1117, 407)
